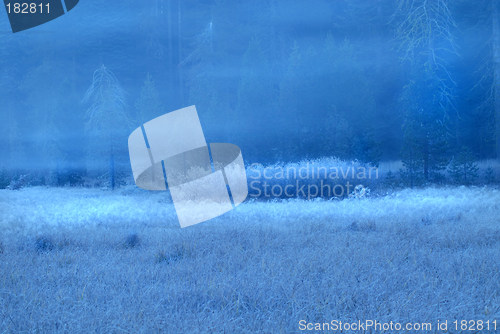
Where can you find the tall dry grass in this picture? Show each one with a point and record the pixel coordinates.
(414, 256)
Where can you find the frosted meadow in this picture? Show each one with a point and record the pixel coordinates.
(78, 260)
(370, 133)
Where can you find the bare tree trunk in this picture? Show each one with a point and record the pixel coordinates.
(171, 67)
(272, 31)
(426, 159)
(496, 71)
(430, 41)
(181, 82)
(411, 167)
(112, 170)
(378, 39)
(211, 39)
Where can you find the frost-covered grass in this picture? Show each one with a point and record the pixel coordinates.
(83, 260)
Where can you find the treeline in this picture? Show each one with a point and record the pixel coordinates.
(333, 178)
(285, 80)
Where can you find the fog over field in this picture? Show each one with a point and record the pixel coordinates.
(250, 166)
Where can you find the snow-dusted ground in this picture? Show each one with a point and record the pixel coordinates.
(413, 256)
(39, 207)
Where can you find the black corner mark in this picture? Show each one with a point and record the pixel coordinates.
(24, 14)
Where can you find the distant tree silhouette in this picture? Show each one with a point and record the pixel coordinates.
(107, 121)
(148, 105)
(463, 168)
(425, 145)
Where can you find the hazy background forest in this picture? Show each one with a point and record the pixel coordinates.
(410, 86)
(372, 80)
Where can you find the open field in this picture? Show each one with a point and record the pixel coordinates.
(80, 260)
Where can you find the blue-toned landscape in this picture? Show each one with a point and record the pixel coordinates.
(370, 135)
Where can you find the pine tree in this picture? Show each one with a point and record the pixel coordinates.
(340, 137)
(254, 103)
(53, 154)
(426, 38)
(4, 178)
(346, 87)
(463, 168)
(390, 179)
(148, 105)
(17, 152)
(49, 94)
(484, 16)
(489, 175)
(425, 136)
(326, 103)
(411, 155)
(289, 94)
(107, 122)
